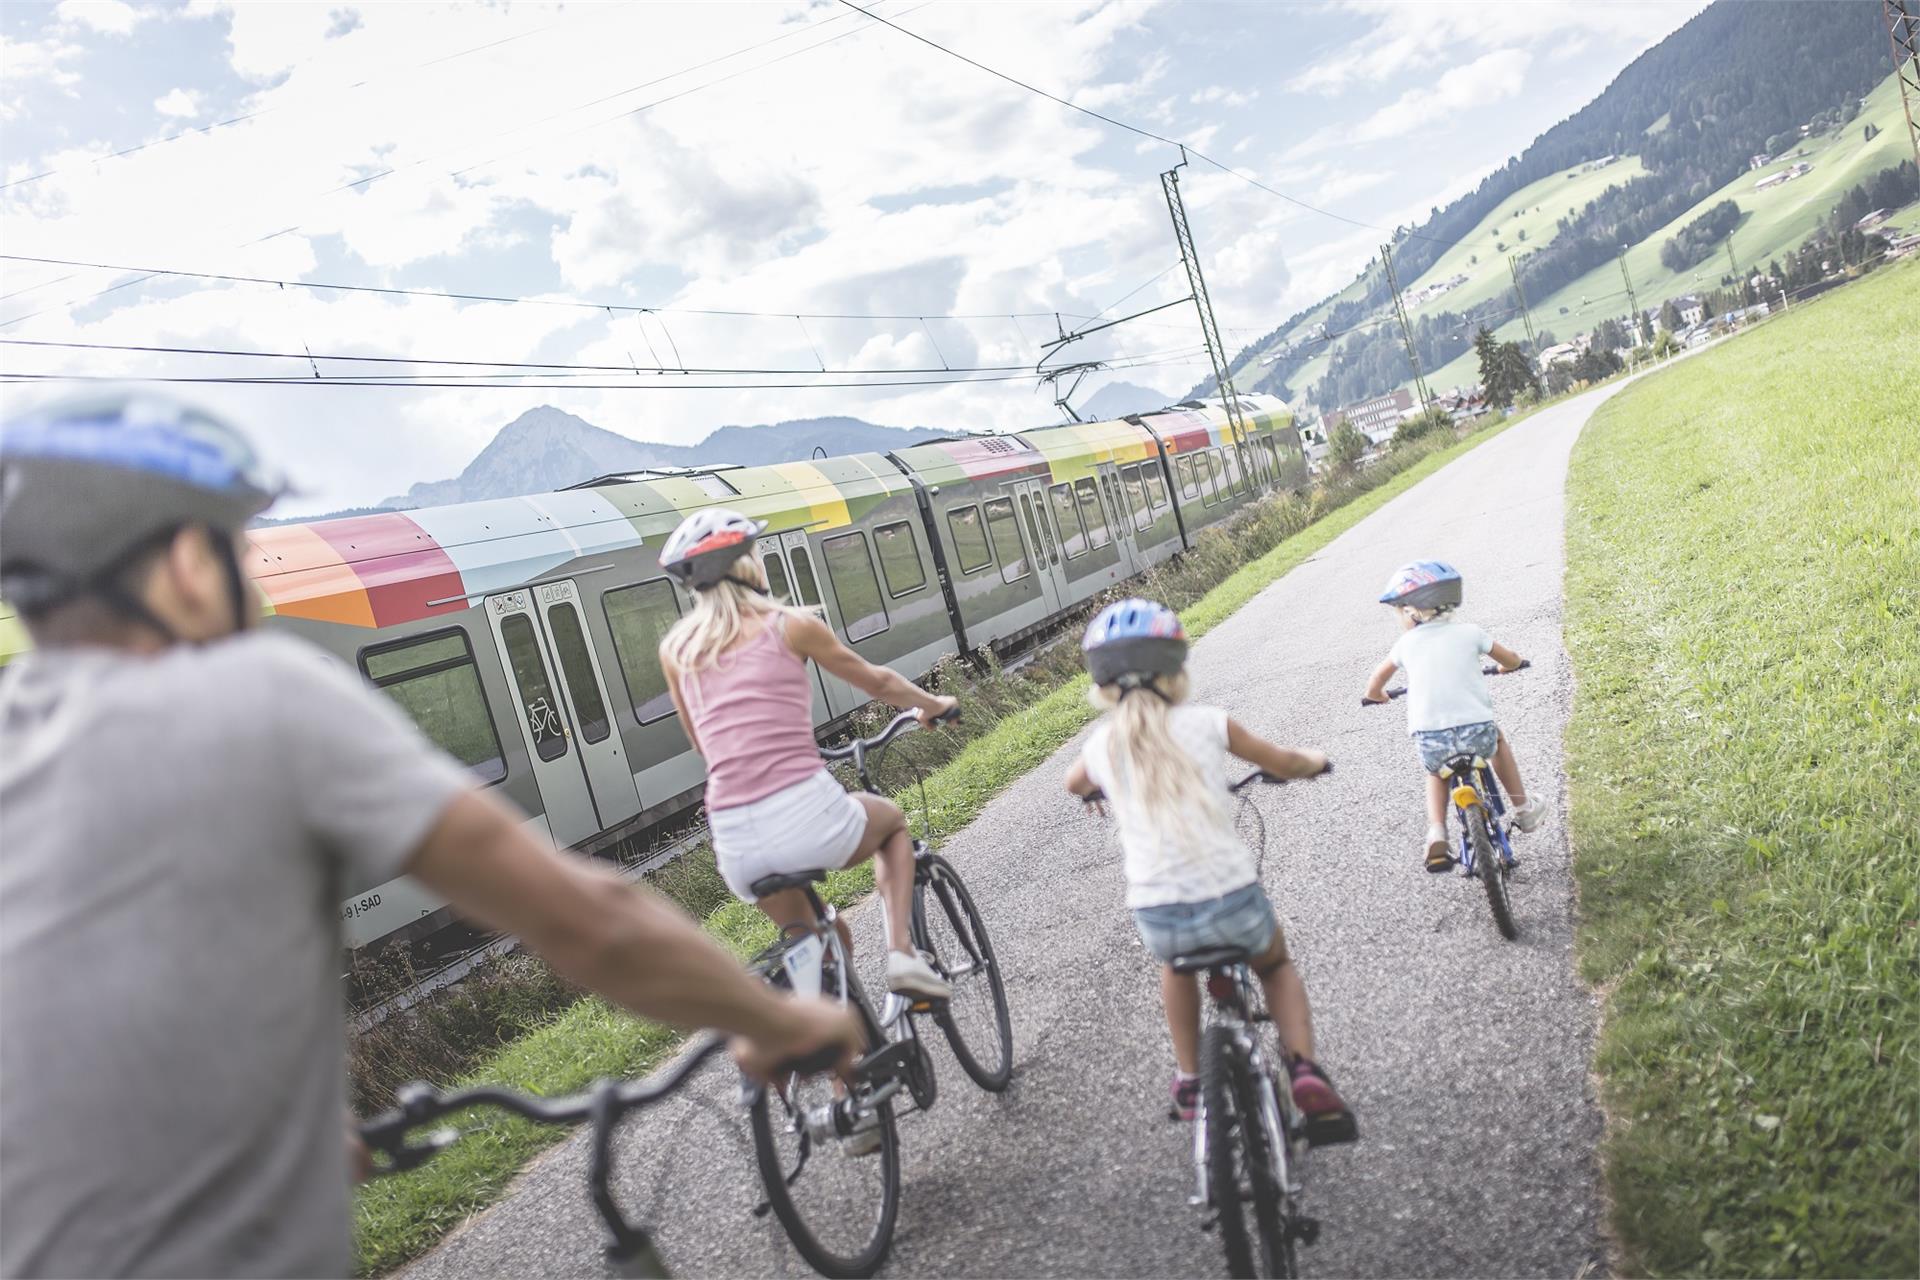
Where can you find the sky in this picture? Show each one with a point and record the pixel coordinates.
(849, 197)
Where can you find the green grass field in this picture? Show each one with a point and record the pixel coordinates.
(399, 1218)
(1743, 611)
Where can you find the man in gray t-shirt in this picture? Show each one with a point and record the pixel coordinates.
(182, 805)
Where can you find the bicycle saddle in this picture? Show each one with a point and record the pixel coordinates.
(1211, 958)
(766, 886)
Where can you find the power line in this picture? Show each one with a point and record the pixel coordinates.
(1136, 129)
(586, 304)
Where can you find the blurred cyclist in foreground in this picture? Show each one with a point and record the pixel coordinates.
(183, 802)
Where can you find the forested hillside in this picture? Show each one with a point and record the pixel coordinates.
(1694, 108)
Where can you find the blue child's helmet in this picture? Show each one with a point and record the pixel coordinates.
(1134, 638)
(1424, 584)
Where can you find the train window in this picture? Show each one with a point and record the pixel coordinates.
(576, 666)
(851, 568)
(775, 565)
(1073, 539)
(806, 589)
(1039, 532)
(1189, 487)
(435, 681)
(1090, 512)
(1137, 495)
(899, 558)
(1273, 459)
(536, 689)
(969, 538)
(1237, 465)
(1207, 468)
(638, 616)
(1006, 539)
(1156, 483)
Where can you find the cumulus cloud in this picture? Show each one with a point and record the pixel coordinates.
(113, 17)
(1223, 96)
(179, 103)
(1488, 78)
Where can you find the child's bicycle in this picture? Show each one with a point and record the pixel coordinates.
(1486, 846)
(1249, 1142)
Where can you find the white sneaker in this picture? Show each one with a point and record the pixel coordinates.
(909, 975)
(865, 1138)
(1531, 814)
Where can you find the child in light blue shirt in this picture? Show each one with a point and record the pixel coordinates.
(1448, 710)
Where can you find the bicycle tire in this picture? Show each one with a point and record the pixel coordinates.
(1492, 870)
(1278, 1260)
(1220, 1103)
(991, 1071)
(829, 1260)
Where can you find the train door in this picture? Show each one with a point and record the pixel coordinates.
(537, 704)
(1119, 517)
(583, 685)
(1032, 498)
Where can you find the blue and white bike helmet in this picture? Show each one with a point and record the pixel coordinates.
(87, 484)
(1424, 584)
(1132, 641)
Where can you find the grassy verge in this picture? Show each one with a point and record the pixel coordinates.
(1027, 719)
(1743, 602)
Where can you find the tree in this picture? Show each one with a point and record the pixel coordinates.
(1610, 335)
(1669, 316)
(1506, 371)
(1595, 363)
(1664, 344)
(1345, 445)
(1429, 420)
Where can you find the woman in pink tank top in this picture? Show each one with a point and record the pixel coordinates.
(736, 667)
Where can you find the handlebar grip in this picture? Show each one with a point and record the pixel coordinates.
(1326, 769)
(822, 1059)
(950, 716)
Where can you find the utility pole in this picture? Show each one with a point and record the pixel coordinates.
(1903, 28)
(1633, 303)
(1733, 263)
(1209, 331)
(1406, 330)
(1513, 266)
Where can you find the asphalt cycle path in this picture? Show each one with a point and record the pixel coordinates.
(1465, 1057)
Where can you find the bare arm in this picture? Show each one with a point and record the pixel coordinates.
(1377, 686)
(1078, 783)
(811, 638)
(623, 941)
(679, 701)
(1507, 658)
(1281, 762)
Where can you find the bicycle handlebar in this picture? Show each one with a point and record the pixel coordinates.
(1258, 775)
(859, 747)
(1490, 669)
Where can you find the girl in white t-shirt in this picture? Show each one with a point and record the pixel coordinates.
(1449, 712)
(1161, 762)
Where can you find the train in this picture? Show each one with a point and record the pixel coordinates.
(521, 634)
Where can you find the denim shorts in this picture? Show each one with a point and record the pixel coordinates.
(1243, 918)
(1437, 746)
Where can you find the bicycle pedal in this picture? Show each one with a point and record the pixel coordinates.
(1304, 1230)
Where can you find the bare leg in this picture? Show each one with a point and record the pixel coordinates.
(1436, 801)
(1286, 1000)
(1507, 769)
(887, 841)
(1180, 992)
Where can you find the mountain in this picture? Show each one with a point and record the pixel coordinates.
(545, 449)
(1118, 399)
(1673, 132)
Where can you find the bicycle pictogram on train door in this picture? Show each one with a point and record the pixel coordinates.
(559, 695)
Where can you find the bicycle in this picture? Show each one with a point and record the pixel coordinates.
(629, 1250)
(1486, 845)
(791, 1123)
(1249, 1141)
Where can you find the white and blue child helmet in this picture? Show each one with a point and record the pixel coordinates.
(1134, 640)
(1424, 584)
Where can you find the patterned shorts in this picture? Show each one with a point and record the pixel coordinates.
(1437, 746)
(1243, 918)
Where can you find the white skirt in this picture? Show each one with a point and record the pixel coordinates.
(813, 825)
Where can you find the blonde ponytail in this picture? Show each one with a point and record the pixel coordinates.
(1164, 785)
(722, 615)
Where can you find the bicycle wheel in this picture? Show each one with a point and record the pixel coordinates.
(1227, 1175)
(1492, 870)
(948, 927)
(837, 1208)
(1271, 1222)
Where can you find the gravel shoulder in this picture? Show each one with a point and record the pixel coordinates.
(1464, 1057)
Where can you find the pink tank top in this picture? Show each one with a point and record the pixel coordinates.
(752, 712)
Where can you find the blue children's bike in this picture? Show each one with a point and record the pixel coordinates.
(1485, 841)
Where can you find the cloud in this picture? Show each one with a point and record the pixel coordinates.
(1489, 78)
(179, 103)
(110, 17)
(1223, 96)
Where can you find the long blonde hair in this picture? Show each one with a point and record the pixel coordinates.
(722, 616)
(1165, 786)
